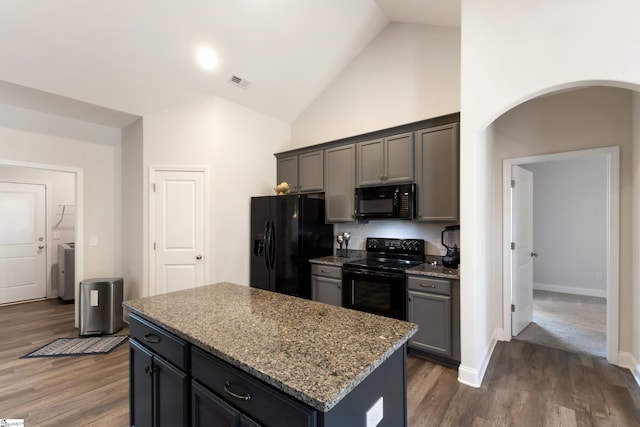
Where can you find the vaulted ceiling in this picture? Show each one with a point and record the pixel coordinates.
(138, 56)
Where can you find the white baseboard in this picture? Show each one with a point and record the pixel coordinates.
(602, 293)
(473, 377)
(626, 360)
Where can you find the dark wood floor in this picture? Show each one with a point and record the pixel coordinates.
(525, 385)
(60, 391)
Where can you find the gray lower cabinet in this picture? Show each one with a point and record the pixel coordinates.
(430, 307)
(437, 168)
(340, 183)
(386, 160)
(303, 172)
(158, 378)
(326, 284)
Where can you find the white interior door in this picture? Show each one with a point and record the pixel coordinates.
(522, 249)
(179, 213)
(23, 257)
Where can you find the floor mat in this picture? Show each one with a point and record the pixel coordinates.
(78, 346)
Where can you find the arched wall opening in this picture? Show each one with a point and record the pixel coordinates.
(607, 113)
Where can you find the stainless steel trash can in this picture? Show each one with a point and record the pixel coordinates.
(101, 306)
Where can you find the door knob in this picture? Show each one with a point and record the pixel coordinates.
(198, 256)
(534, 254)
(41, 247)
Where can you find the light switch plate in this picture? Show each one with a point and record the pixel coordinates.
(375, 413)
(93, 241)
(56, 235)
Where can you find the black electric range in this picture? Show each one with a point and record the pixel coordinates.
(376, 284)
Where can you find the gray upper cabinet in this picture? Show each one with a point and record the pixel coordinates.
(340, 182)
(437, 173)
(304, 172)
(311, 171)
(385, 160)
(288, 171)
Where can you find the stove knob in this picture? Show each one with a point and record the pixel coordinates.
(372, 244)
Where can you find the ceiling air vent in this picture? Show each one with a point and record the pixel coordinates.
(239, 81)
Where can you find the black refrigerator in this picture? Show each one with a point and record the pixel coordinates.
(286, 232)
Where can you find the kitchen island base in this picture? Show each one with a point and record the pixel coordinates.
(230, 355)
(223, 389)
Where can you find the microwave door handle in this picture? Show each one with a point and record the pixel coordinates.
(396, 202)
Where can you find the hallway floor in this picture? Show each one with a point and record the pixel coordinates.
(568, 322)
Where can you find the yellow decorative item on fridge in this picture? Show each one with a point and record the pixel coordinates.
(282, 188)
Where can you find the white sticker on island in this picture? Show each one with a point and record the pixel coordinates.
(374, 414)
(94, 298)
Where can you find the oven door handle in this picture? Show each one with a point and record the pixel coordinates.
(356, 272)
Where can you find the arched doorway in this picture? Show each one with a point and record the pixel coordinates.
(619, 261)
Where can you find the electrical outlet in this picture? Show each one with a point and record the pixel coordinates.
(375, 413)
(56, 235)
(93, 241)
(599, 275)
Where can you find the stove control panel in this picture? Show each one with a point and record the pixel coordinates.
(399, 246)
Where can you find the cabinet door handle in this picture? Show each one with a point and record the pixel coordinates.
(227, 387)
(426, 285)
(148, 370)
(151, 338)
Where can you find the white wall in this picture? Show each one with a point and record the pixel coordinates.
(511, 52)
(132, 211)
(60, 191)
(237, 144)
(408, 73)
(635, 228)
(570, 224)
(98, 155)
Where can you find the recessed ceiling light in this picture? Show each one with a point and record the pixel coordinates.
(207, 58)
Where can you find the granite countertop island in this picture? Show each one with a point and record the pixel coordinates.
(314, 352)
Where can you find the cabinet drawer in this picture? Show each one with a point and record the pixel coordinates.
(326, 271)
(429, 284)
(164, 343)
(265, 404)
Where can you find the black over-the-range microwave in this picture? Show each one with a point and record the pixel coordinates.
(386, 201)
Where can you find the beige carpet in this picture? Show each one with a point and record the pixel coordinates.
(573, 323)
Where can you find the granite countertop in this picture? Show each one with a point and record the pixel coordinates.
(337, 261)
(427, 269)
(314, 352)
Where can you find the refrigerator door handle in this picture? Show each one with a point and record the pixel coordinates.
(267, 245)
(273, 244)
(271, 247)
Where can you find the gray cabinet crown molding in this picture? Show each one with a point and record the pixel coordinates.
(383, 133)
